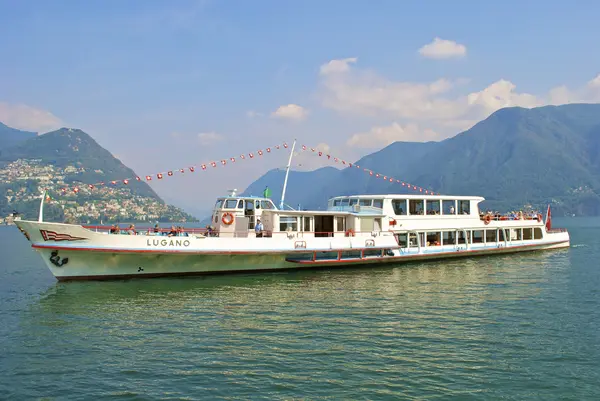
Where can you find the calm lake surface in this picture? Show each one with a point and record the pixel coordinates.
(520, 327)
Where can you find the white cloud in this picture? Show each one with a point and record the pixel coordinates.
(441, 48)
(368, 94)
(291, 112)
(590, 92)
(208, 138)
(438, 104)
(379, 137)
(337, 66)
(22, 116)
(502, 94)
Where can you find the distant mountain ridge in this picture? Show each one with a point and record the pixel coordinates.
(303, 181)
(514, 157)
(68, 158)
(12, 136)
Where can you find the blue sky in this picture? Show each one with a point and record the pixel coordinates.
(164, 84)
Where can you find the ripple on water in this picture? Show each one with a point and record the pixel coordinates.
(512, 328)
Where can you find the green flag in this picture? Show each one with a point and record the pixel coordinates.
(267, 192)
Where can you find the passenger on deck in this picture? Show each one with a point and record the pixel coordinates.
(156, 229)
(258, 229)
(131, 230)
(114, 229)
(173, 232)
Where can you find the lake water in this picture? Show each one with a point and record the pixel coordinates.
(517, 327)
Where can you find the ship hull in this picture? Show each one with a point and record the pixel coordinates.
(89, 265)
(74, 253)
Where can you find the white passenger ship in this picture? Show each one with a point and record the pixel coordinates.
(354, 230)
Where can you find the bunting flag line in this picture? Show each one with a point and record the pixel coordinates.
(370, 172)
(171, 173)
(249, 156)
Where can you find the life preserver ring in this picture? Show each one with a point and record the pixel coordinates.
(227, 218)
(349, 232)
(487, 219)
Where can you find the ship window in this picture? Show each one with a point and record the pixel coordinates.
(516, 234)
(501, 236)
(306, 225)
(339, 221)
(265, 204)
(350, 255)
(433, 206)
(365, 202)
(336, 202)
(369, 253)
(415, 206)
(402, 239)
(230, 204)
(399, 206)
(448, 207)
(378, 203)
(288, 223)
(537, 233)
(412, 239)
(462, 239)
(477, 236)
(353, 201)
(344, 202)
(490, 236)
(327, 255)
(449, 238)
(527, 234)
(219, 204)
(240, 204)
(464, 207)
(433, 239)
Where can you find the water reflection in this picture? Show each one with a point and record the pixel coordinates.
(442, 284)
(416, 330)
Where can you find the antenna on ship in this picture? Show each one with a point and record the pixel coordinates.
(41, 216)
(287, 172)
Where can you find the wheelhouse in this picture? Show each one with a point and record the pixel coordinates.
(239, 214)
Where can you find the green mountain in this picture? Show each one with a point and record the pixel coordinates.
(11, 136)
(69, 158)
(512, 158)
(74, 147)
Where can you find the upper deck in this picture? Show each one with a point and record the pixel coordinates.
(409, 206)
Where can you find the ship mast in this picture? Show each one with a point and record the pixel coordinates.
(41, 215)
(287, 172)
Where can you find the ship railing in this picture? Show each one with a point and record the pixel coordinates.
(203, 231)
(509, 218)
(147, 231)
(557, 230)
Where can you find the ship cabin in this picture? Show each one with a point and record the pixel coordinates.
(367, 215)
(235, 215)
